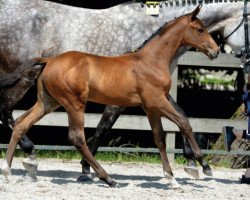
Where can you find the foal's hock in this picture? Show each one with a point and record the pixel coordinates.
(141, 78)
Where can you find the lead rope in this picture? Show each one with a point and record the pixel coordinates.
(246, 64)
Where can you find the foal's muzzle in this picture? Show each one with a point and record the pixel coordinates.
(213, 54)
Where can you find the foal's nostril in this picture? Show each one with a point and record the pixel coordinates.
(218, 52)
(215, 53)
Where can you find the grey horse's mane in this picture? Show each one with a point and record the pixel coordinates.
(174, 3)
(171, 3)
(187, 2)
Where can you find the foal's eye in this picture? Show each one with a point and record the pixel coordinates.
(201, 30)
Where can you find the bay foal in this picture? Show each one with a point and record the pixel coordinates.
(135, 79)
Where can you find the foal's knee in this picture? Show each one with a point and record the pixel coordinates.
(76, 139)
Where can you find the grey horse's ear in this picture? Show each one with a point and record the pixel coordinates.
(195, 12)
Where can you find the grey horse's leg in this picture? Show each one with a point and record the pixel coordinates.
(109, 117)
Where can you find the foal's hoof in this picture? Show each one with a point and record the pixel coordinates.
(208, 171)
(176, 186)
(192, 171)
(109, 181)
(112, 183)
(6, 171)
(85, 178)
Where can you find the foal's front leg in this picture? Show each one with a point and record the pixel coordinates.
(167, 110)
(159, 139)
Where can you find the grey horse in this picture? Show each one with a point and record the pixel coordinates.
(38, 28)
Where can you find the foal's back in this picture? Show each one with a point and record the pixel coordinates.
(107, 80)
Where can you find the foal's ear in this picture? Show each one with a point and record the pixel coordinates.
(195, 12)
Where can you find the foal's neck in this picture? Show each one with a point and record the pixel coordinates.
(162, 49)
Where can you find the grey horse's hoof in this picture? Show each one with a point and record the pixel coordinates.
(30, 164)
(192, 171)
(30, 177)
(208, 172)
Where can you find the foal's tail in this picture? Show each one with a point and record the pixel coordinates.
(30, 70)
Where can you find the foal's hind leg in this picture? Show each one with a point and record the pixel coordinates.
(44, 105)
(167, 110)
(26, 145)
(77, 138)
(109, 117)
(21, 127)
(159, 139)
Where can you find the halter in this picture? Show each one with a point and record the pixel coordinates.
(245, 51)
(245, 55)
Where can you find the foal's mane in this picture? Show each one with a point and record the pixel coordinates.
(161, 29)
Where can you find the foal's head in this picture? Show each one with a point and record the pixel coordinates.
(196, 35)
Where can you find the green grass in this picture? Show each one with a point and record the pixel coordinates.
(224, 162)
(128, 157)
(112, 157)
(180, 160)
(101, 156)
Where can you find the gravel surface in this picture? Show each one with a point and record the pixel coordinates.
(56, 179)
